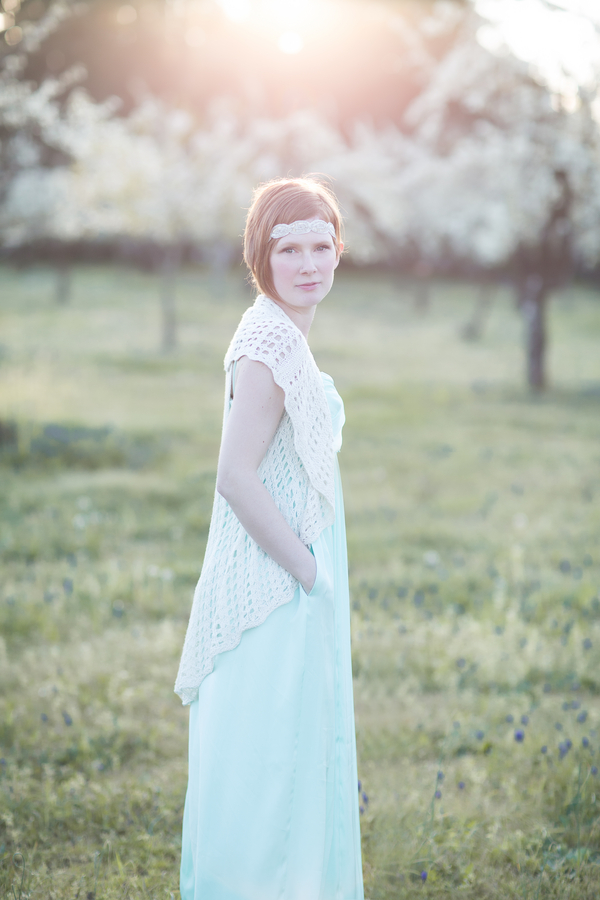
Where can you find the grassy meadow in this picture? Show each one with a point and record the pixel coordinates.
(473, 516)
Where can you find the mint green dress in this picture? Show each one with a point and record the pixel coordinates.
(271, 811)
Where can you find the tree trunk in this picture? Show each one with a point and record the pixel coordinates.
(422, 297)
(168, 279)
(8, 435)
(220, 256)
(422, 287)
(473, 329)
(533, 306)
(63, 284)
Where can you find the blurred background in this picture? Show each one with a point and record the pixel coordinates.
(462, 331)
(460, 135)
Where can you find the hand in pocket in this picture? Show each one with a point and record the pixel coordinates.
(323, 585)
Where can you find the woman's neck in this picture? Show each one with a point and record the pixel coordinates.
(302, 317)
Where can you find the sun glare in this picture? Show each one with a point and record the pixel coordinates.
(289, 21)
(195, 37)
(290, 10)
(290, 42)
(236, 10)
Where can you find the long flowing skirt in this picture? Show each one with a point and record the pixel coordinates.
(271, 811)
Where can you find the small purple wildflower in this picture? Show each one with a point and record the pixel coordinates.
(566, 705)
(563, 749)
(585, 742)
(68, 586)
(587, 644)
(510, 718)
(480, 735)
(423, 876)
(544, 749)
(365, 798)
(524, 720)
(519, 735)
(575, 704)
(440, 776)
(361, 809)
(569, 744)
(558, 726)
(67, 718)
(44, 717)
(594, 770)
(359, 784)
(438, 795)
(582, 716)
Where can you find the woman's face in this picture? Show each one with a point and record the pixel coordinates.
(302, 267)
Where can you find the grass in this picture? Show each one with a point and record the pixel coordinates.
(473, 524)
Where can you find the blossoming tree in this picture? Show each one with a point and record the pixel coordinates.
(491, 170)
(508, 177)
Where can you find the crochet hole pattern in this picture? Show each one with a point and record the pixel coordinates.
(240, 585)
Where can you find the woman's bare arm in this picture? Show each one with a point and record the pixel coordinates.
(255, 413)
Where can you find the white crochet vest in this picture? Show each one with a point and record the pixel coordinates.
(240, 585)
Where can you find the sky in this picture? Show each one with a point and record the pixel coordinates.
(560, 38)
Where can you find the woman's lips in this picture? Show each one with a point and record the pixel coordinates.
(308, 285)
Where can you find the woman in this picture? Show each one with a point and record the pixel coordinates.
(271, 809)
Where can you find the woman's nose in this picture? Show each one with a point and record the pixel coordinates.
(308, 263)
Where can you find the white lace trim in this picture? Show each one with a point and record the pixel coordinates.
(240, 584)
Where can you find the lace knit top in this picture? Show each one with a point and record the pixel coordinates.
(240, 585)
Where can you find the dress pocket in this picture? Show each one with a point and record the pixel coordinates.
(323, 586)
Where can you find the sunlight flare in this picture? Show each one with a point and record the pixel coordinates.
(237, 10)
(290, 42)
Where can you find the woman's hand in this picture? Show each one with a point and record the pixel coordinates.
(308, 585)
(322, 583)
(255, 413)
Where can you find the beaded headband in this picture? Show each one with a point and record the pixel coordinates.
(302, 226)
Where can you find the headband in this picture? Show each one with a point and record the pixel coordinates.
(302, 226)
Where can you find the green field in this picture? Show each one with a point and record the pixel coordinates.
(473, 514)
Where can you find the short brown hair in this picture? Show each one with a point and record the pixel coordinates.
(284, 200)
